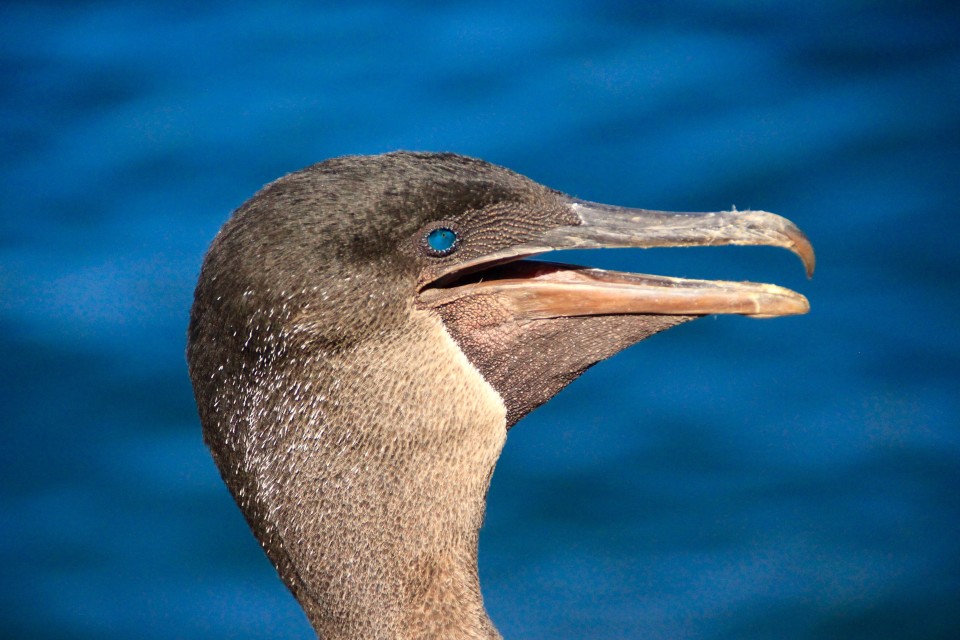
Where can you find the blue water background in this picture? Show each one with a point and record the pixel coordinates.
(731, 478)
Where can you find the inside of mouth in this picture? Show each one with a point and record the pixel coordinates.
(526, 269)
(511, 269)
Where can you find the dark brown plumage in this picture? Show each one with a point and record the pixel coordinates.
(355, 384)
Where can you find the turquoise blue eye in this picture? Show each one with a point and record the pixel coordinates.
(442, 240)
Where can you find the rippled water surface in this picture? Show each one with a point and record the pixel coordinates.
(731, 478)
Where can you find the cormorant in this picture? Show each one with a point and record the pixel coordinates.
(366, 330)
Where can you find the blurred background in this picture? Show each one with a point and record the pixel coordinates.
(731, 478)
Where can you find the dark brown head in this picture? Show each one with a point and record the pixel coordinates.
(364, 332)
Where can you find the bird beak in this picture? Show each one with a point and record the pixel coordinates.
(537, 290)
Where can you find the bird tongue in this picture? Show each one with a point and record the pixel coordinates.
(538, 290)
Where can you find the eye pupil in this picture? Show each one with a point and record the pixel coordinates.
(442, 240)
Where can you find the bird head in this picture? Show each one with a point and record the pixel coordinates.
(342, 251)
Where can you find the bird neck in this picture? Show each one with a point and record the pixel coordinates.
(371, 512)
(389, 557)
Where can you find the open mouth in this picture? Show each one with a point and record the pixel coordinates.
(531, 290)
(539, 290)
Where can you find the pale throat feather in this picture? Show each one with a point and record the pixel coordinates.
(377, 512)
